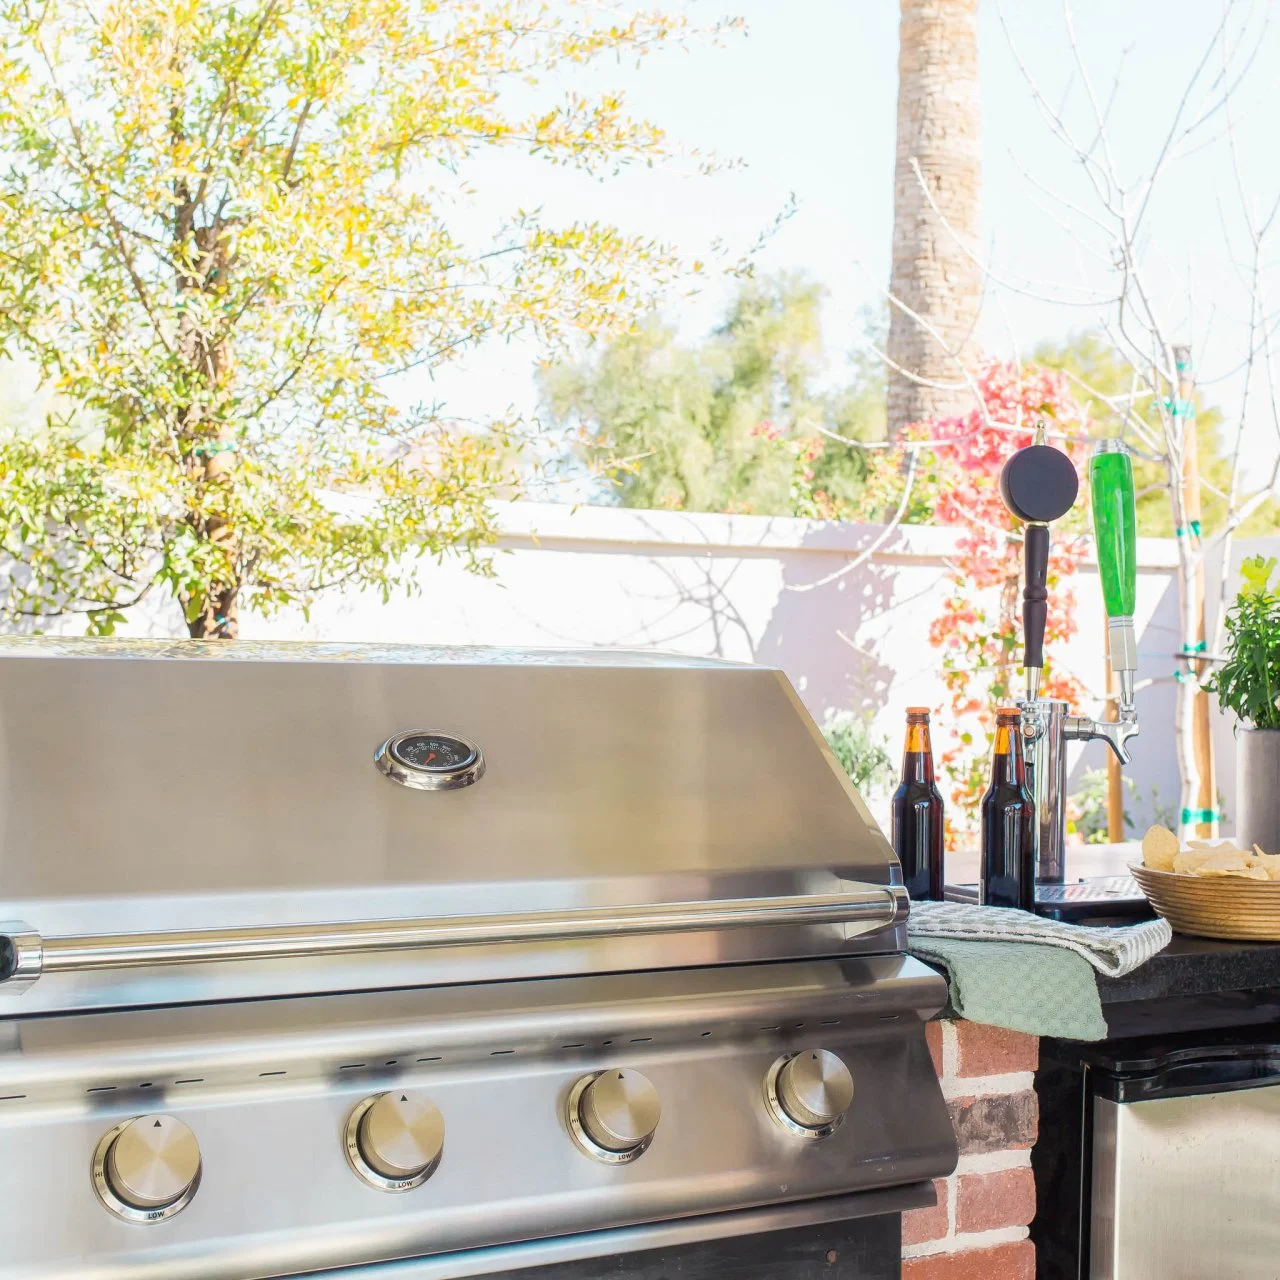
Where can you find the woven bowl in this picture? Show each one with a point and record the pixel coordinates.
(1214, 906)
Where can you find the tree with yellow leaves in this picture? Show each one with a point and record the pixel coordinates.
(223, 227)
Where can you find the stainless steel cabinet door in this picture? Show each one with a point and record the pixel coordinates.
(1187, 1188)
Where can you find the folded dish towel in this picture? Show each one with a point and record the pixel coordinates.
(1112, 951)
(1011, 969)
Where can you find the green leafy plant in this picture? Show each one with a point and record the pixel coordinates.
(861, 753)
(1248, 682)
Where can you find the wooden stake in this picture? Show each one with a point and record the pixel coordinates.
(1201, 729)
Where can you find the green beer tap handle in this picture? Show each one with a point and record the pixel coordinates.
(1115, 527)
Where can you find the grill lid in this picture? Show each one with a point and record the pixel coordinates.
(186, 821)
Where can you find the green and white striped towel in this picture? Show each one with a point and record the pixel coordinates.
(1012, 969)
(1112, 951)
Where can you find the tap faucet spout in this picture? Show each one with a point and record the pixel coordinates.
(1115, 733)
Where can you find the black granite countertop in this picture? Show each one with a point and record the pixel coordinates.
(1195, 984)
(1197, 966)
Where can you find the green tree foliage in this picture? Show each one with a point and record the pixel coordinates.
(224, 226)
(733, 423)
(861, 753)
(1093, 363)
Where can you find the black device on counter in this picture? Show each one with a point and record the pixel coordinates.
(1103, 900)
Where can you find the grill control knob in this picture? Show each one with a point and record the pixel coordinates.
(148, 1168)
(395, 1140)
(812, 1090)
(613, 1115)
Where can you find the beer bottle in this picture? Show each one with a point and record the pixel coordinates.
(1008, 817)
(917, 813)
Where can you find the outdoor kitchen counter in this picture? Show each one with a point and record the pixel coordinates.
(1195, 984)
(1189, 980)
(1015, 1106)
(1194, 967)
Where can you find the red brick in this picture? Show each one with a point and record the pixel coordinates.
(990, 1200)
(992, 1051)
(1016, 1261)
(996, 1122)
(919, 1225)
(933, 1034)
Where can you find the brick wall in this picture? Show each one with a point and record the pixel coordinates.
(978, 1229)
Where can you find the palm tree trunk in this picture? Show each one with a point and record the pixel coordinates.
(939, 127)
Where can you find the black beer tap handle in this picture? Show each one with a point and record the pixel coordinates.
(1035, 593)
(1038, 484)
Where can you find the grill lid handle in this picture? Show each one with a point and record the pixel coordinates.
(25, 955)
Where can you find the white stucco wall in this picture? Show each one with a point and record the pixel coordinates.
(758, 589)
(749, 588)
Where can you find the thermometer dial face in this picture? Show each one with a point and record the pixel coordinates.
(430, 760)
(436, 751)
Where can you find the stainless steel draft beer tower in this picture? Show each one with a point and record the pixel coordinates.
(1039, 485)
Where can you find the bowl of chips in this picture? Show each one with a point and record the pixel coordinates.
(1211, 890)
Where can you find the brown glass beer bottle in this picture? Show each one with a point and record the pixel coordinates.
(1008, 815)
(917, 813)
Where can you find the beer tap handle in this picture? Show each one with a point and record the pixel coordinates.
(1038, 484)
(1115, 531)
(1035, 603)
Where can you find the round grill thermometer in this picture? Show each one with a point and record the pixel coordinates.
(430, 760)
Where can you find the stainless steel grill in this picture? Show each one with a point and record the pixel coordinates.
(322, 957)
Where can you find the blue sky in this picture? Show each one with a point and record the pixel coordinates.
(806, 98)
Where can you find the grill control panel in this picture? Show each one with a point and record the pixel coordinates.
(336, 1132)
(148, 1168)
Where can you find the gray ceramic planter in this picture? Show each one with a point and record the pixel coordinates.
(1258, 788)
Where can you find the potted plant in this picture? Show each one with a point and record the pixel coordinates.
(1248, 684)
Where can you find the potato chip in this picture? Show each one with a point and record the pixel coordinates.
(1159, 848)
(1186, 864)
(1225, 859)
(1238, 873)
(1268, 862)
